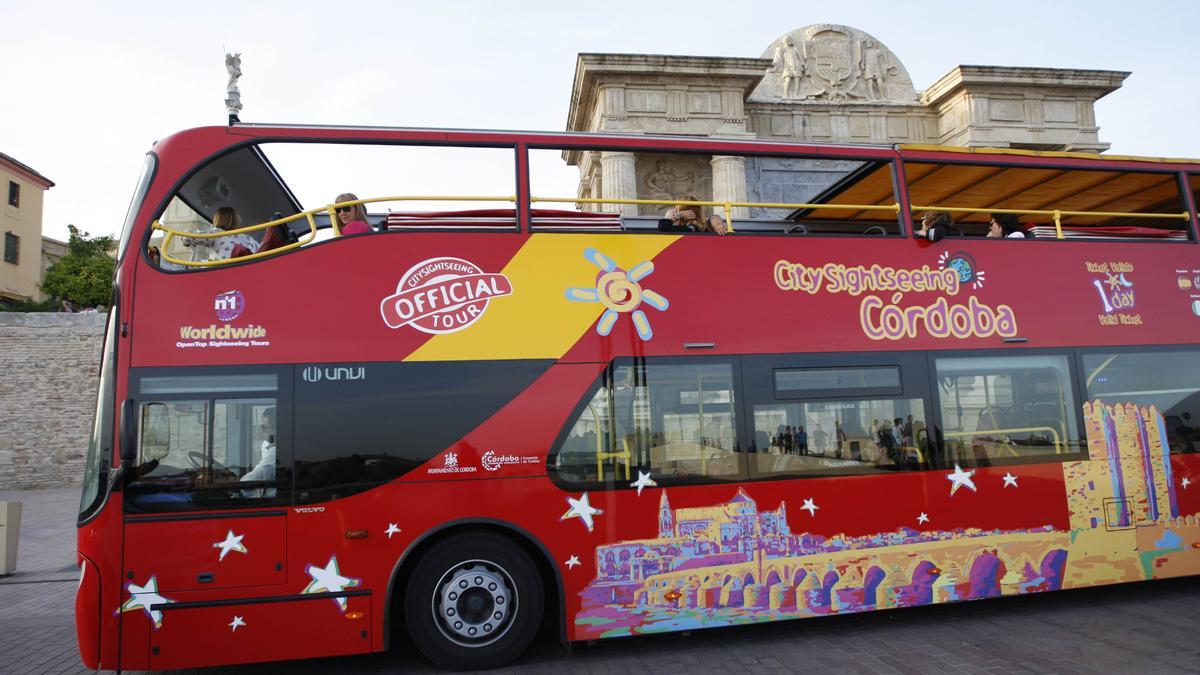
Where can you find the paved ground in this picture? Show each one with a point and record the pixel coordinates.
(1141, 628)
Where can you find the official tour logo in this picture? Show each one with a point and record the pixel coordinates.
(229, 305)
(442, 295)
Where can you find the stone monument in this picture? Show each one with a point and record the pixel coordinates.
(233, 97)
(823, 83)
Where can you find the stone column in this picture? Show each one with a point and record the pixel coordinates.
(729, 184)
(619, 182)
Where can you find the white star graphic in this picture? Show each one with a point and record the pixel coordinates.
(810, 507)
(581, 509)
(1010, 479)
(329, 579)
(392, 529)
(960, 478)
(643, 481)
(572, 562)
(145, 597)
(1186, 482)
(231, 543)
(923, 518)
(237, 621)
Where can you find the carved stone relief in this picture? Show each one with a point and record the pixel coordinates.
(672, 177)
(830, 63)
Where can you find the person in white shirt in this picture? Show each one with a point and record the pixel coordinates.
(220, 248)
(1005, 225)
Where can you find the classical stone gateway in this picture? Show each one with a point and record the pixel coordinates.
(824, 83)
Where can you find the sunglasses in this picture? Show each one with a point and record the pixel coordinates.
(345, 209)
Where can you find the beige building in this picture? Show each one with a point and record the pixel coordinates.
(823, 83)
(21, 223)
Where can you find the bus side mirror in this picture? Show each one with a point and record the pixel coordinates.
(128, 438)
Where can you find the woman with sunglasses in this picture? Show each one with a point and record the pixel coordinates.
(351, 219)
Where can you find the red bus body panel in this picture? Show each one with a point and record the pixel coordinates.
(744, 295)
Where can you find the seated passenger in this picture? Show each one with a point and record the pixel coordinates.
(220, 248)
(1005, 225)
(935, 225)
(717, 224)
(690, 219)
(351, 219)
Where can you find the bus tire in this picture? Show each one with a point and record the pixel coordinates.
(474, 601)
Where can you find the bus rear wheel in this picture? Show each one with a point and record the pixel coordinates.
(474, 601)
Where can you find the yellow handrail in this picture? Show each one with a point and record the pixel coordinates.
(1058, 444)
(727, 206)
(330, 209)
(1056, 214)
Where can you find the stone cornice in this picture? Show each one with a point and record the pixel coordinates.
(591, 69)
(1101, 82)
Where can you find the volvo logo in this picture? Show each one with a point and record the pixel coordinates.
(317, 374)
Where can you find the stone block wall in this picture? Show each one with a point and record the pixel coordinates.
(49, 370)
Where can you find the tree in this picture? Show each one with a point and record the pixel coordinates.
(84, 275)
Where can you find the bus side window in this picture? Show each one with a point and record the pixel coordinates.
(839, 420)
(1007, 408)
(669, 420)
(1167, 380)
(201, 445)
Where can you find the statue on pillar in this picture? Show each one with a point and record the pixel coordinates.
(233, 98)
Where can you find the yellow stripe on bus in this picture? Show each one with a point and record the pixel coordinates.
(538, 321)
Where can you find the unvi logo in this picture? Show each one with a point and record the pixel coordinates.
(317, 374)
(229, 305)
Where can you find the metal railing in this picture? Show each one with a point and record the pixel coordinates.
(986, 434)
(308, 237)
(726, 206)
(1056, 214)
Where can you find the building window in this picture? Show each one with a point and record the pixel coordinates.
(12, 248)
(14, 194)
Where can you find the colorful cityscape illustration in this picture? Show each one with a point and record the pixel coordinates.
(733, 563)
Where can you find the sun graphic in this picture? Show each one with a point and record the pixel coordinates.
(620, 293)
(964, 264)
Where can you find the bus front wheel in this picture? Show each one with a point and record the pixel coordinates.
(474, 601)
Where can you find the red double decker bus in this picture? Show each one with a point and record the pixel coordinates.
(692, 383)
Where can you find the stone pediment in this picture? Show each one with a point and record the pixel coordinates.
(832, 63)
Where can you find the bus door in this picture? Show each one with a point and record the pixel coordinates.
(205, 513)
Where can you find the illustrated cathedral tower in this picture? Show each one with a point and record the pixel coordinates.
(666, 521)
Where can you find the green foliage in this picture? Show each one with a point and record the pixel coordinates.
(49, 305)
(84, 275)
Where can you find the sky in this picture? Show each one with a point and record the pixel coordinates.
(89, 86)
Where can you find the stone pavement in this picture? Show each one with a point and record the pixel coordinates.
(1140, 628)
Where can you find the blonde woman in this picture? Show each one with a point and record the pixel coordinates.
(221, 248)
(351, 219)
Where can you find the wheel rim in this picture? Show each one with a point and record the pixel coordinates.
(474, 603)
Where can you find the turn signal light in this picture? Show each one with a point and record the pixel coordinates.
(356, 534)
(354, 615)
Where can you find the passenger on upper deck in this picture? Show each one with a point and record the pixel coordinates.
(220, 248)
(351, 219)
(690, 219)
(1005, 225)
(935, 221)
